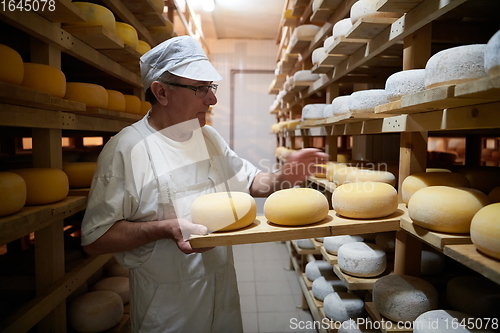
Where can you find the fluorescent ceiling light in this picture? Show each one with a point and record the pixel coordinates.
(208, 5)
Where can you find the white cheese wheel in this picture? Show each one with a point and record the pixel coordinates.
(327, 44)
(315, 269)
(94, 14)
(485, 230)
(483, 179)
(492, 55)
(403, 297)
(305, 243)
(386, 241)
(431, 262)
(455, 65)
(116, 284)
(368, 8)
(95, 311)
(116, 101)
(341, 27)
(79, 174)
(132, 104)
(366, 175)
(305, 75)
(305, 31)
(475, 295)
(117, 270)
(12, 193)
(494, 194)
(362, 259)
(127, 33)
(340, 174)
(44, 78)
(93, 95)
(446, 209)
(328, 111)
(405, 82)
(318, 55)
(366, 200)
(343, 306)
(340, 104)
(11, 66)
(296, 206)
(224, 211)
(365, 101)
(333, 243)
(448, 321)
(321, 287)
(419, 180)
(44, 185)
(313, 111)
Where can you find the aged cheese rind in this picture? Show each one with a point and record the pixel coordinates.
(333, 243)
(447, 321)
(362, 259)
(343, 306)
(12, 193)
(317, 268)
(492, 55)
(95, 311)
(364, 101)
(321, 287)
(405, 82)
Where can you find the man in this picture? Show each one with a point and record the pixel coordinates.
(146, 179)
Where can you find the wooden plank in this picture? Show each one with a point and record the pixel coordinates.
(108, 114)
(317, 303)
(64, 11)
(304, 251)
(33, 218)
(297, 45)
(332, 59)
(469, 256)
(96, 36)
(398, 6)
(487, 88)
(79, 192)
(384, 324)
(127, 54)
(264, 231)
(321, 15)
(369, 27)
(145, 12)
(359, 283)
(328, 257)
(346, 46)
(323, 182)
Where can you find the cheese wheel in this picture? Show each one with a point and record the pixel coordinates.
(95, 311)
(305, 30)
(327, 44)
(419, 180)
(162, 32)
(340, 174)
(446, 209)
(296, 206)
(331, 167)
(431, 262)
(305, 244)
(475, 295)
(224, 211)
(12, 193)
(340, 104)
(403, 297)
(313, 111)
(365, 175)
(145, 107)
(320, 174)
(448, 321)
(142, 46)
(315, 269)
(94, 14)
(455, 65)
(436, 170)
(158, 5)
(116, 284)
(132, 104)
(342, 27)
(362, 259)
(333, 243)
(485, 230)
(328, 111)
(117, 270)
(343, 158)
(127, 33)
(321, 287)
(405, 82)
(368, 8)
(366, 200)
(11, 66)
(492, 55)
(305, 75)
(79, 174)
(365, 101)
(93, 95)
(494, 194)
(44, 185)
(44, 78)
(116, 101)
(343, 306)
(483, 179)
(386, 241)
(318, 55)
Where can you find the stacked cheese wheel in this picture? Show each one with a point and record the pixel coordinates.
(44, 78)
(12, 193)
(44, 185)
(11, 66)
(94, 14)
(93, 95)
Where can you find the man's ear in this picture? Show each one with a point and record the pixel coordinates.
(160, 92)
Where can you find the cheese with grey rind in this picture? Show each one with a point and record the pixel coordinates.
(317, 268)
(321, 287)
(492, 55)
(340, 104)
(306, 30)
(313, 111)
(341, 27)
(333, 243)
(305, 75)
(305, 244)
(447, 321)
(327, 44)
(365, 101)
(405, 82)
(361, 259)
(318, 55)
(403, 297)
(95, 311)
(343, 306)
(475, 295)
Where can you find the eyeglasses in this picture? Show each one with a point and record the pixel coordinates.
(200, 91)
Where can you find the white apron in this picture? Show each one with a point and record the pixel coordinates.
(175, 292)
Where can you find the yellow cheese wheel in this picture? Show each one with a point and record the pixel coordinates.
(127, 33)
(93, 95)
(365, 200)
(417, 181)
(224, 211)
(132, 104)
(331, 167)
(95, 311)
(296, 206)
(11, 66)
(145, 107)
(485, 230)
(44, 185)
(343, 158)
(483, 179)
(445, 208)
(437, 170)
(94, 14)
(79, 173)
(44, 78)
(494, 194)
(340, 174)
(12, 193)
(142, 46)
(365, 175)
(321, 174)
(116, 101)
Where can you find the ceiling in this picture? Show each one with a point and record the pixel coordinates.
(240, 19)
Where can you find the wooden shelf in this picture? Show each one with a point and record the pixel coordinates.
(64, 11)
(359, 283)
(263, 231)
(304, 251)
(323, 182)
(369, 27)
(328, 257)
(386, 326)
(79, 192)
(108, 114)
(145, 12)
(346, 46)
(398, 6)
(96, 36)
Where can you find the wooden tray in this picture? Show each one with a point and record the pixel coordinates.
(328, 257)
(360, 283)
(385, 325)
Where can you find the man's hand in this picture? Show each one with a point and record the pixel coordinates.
(301, 164)
(180, 229)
